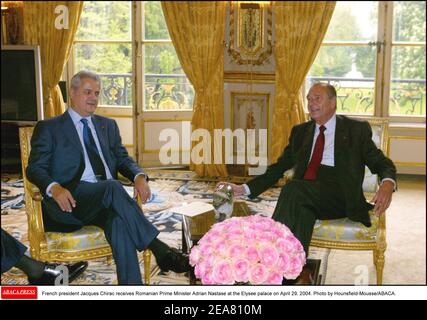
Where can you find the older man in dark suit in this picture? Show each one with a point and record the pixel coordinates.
(328, 155)
(75, 159)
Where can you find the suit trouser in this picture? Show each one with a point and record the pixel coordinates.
(107, 204)
(301, 202)
(11, 251)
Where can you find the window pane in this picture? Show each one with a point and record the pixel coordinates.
(353, 21)
(113, 62)
(166, 85)
(105, 20)
(168, 92)
(161, 58)
(409, 21)
(154, 21)
(408, 84)
(351, 69)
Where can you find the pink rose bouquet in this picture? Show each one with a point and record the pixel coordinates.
(253, 249)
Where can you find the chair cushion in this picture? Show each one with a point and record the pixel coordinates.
(345, 230)
(370, 182)
(88, 237)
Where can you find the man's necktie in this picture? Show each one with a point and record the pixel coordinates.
(316, 158)
(92, 152)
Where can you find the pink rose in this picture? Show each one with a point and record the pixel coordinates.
(274, 278)
(234, 235)
(250, 236)
(267, 236)
(206, 250)
(220, 245)
(282, 246)
(268, 256)
(200, 269)
(294, 243)
(236, 251)
(222, 273)
(207, 279)
(241, 270)
(257, 274)
(252, 254)
(283, 263)
(195, 255)
(295, 268)
(279, 232)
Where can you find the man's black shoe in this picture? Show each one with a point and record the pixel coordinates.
(174, 261)
(51, 272)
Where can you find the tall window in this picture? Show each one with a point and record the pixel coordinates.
(347, 56)
(166, 87)
(352, 58)
(103, 45)
(408, 66)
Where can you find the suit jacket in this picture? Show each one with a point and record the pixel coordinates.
(354, 149)
(57, 155)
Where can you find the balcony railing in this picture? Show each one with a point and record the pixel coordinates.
(162, 92)
(356, 95)
(168, 92)
(116, 89)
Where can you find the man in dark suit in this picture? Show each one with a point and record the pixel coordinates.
(75, 159)
(39, 273)
(328, 155)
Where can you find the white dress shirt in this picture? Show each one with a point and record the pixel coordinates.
(88, 174)
(329, 148)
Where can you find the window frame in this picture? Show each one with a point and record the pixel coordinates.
(71, 70)
(382, 85)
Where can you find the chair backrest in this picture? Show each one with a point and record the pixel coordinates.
(33, 208)
(25, 134)
(380, 137)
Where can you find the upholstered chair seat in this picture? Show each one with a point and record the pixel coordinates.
(86, 238)
(345, 230)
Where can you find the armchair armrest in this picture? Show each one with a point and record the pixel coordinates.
(35, 193)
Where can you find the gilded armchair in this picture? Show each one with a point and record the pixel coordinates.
(86, 243)
(345, 234)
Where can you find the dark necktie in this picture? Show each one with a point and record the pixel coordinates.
(92, 152)
(316, 158)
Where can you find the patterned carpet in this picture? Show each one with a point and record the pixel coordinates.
(170, 189)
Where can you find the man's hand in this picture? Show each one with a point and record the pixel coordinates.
(63, 198)
(238, 190)
(142, 189)
(382, 198)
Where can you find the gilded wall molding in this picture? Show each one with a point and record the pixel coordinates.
(250, 33)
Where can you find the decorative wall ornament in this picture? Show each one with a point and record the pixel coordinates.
(250, 32)
(249, 111)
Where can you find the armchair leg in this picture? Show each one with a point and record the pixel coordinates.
(375, 257)
(379, 260)
(147, 264)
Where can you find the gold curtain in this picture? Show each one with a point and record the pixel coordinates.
(300, 28)
(197, 32)
(40, 28)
